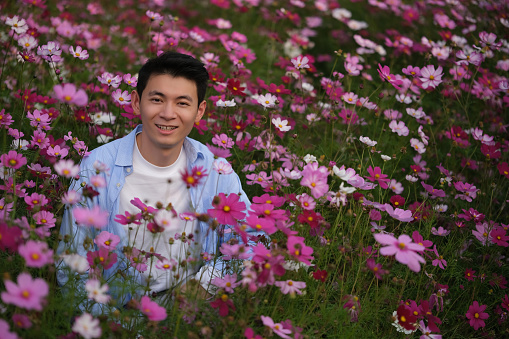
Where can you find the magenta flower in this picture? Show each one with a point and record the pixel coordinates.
(93, 217)
(262, 224)
(13, 160)
(299, 250)
(377, 269)
(102, 257)
(107, 240)
(229, 209)
(404, 249)
(376, 175)
(385, 74)
(477, 315)
(67, 93)
(36, 253)
(431, 77)
(499, 237)
(467, 191)
(28, 293)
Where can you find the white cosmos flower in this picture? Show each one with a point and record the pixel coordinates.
(226, 103)
(281, 125)
(367, 141)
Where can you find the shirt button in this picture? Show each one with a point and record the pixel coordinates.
(118, 185)
(128, 170)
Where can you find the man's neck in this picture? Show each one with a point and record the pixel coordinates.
(161, 158)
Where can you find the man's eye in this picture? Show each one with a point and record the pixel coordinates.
(183, 104)
(156, 100)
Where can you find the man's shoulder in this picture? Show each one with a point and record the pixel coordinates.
(109, 153)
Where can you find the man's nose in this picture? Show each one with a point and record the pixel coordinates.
(168, 111)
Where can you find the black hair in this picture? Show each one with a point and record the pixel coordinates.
(176, 65)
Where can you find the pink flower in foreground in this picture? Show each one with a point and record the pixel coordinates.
(431, 77)
(102, 257)
(152, 310)
(107, 240)
(299, 250)
(277, 328)
(87, 326)
(67, 168)
(13, 160)
(477, 315)
(36, 253)
(93, 217)
(228, 210)
(4, 331)
(404, 249)
(67, 93)
(300, 62)
(28, 293)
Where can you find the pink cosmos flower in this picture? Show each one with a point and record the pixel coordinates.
(152, 310)
(13, 160)
(467, 191)
(94, 217)
(268, 100)
(299, 250)
(36, 199)
(431, 77)
(67, 168)
(102, 257)
(223, 141)
(404, 249)
(377, 269)
(28, 293)
(166, 264)
(385, 74)
(20, 321)
(228, 283)
(79, 52)
(109, 79)
(261, 224)
(376, 175)
(121, 98)
(316, 179)
(300, 62)
(477, 315)
(291, 286)
(499, 237)
(36, 253)
(228, 210)
(399, 127)
(67, 93)
(4, 331)
(276, 327)
(221, 167)
(107, 240)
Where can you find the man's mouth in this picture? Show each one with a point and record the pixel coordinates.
(166, 128)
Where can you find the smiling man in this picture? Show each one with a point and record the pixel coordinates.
(148, 164)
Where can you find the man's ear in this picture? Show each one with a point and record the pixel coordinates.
(135, 102)
(201, 111)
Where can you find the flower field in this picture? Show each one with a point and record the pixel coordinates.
(371, 138)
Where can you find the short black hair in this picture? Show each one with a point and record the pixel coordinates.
(177, 65)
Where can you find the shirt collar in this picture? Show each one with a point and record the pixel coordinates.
(127, 143)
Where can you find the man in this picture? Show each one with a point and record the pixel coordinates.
(148, 164)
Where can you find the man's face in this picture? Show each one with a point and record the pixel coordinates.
(169, 108)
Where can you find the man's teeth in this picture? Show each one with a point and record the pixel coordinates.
(166, 128)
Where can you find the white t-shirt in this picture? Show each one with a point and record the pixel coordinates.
(152, 184)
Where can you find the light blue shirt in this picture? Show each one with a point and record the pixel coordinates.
(118, 157)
